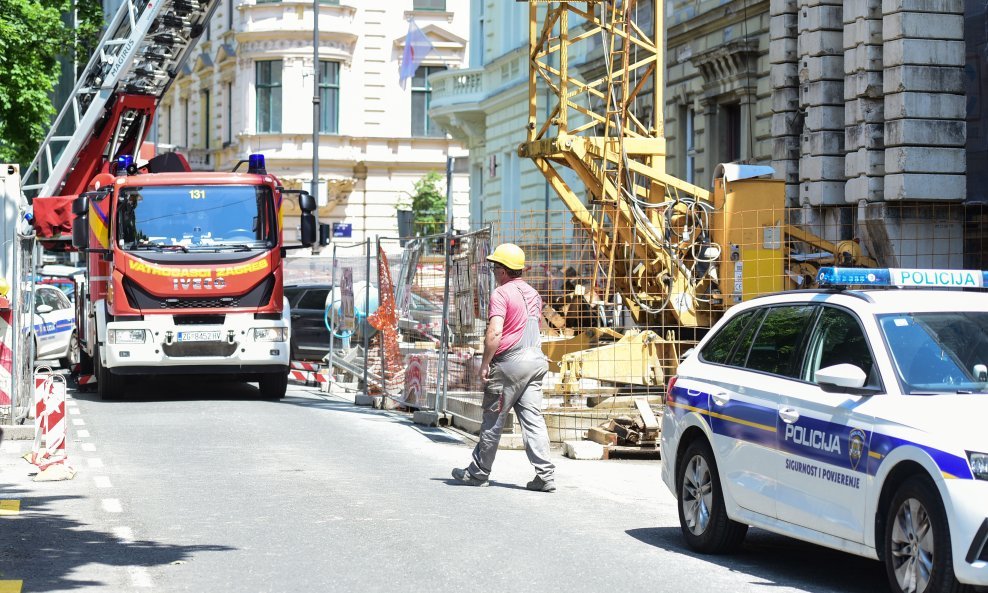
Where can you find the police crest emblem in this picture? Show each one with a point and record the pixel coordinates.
(855, 446)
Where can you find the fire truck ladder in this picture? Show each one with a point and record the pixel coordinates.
(111, 106)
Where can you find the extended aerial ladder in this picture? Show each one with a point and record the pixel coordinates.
(109, 113)
(676, 254)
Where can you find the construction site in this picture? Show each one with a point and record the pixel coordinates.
(634, 265)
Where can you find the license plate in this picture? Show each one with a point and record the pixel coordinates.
(213, 336)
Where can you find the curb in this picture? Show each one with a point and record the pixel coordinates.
(17, 432)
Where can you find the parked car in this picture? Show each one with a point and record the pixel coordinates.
(55, 333)
(852, 419)
(310, 338)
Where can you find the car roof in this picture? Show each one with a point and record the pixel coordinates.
(880, 301)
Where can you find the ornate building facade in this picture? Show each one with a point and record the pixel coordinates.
(249, 88)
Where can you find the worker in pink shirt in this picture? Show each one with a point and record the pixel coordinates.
(512, 371)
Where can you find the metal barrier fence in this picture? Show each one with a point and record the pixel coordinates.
(616, 318)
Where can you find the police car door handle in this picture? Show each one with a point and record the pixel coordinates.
(721, 398)
(789, 415)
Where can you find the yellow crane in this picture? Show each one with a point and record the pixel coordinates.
(678, 255)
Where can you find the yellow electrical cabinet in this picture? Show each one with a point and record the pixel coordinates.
(748, 223)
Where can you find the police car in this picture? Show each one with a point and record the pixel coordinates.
(854, 419)
(54, 326)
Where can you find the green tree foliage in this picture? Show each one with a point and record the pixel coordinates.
(429, 204)
(33, 34)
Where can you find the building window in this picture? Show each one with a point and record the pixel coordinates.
(510, 184)
(422, 124)
(185, 124)
(204, 118)
(329, 97)
(477, 34)
(689, 144)
(732, 133)
(268, 76)
(429, 5)
(229, 114)
(168, 125)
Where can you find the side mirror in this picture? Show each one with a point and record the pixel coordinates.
(42, 309)
(80, 224)
(306, 202)
(839, 378)
(308, 229)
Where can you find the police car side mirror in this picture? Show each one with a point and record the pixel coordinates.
(42, 309)
(841, 378)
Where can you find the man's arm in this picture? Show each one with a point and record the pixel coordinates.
(492, 339)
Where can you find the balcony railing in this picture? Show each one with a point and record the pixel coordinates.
(456, 87)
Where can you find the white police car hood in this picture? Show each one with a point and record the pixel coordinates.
(950, 419)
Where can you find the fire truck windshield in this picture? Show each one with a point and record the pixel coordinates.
(196, 217)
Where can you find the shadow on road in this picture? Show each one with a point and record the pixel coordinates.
(782, 561)
(179, 388)
(44, 548)
(492, 484)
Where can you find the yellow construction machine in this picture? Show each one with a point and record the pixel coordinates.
(675, 255)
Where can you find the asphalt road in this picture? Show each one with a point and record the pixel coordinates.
(205, 488)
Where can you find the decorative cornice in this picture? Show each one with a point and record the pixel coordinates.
(730, 61)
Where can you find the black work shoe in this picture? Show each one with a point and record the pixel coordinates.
(540, 485)
(465, 477)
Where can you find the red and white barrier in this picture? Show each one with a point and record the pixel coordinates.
(50, 423)
(81, 380)
(307, 373)
(6, 354)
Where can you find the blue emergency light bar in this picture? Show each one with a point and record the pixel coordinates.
(255, 164)
(902, 277)
(124, 162)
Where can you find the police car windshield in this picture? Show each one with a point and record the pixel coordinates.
(196, 217)
(939, 352)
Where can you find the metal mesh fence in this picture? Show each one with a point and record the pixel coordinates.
(622, 302)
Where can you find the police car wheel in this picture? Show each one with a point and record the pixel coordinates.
(702, 515)
(918, 558)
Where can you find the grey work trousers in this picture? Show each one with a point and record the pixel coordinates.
(515, 384)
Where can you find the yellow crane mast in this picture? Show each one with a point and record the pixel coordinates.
(677, 254)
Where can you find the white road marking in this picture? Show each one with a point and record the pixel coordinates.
(124, 534)
(88, 447)
(102, 482)
(73, 410)
(94, 462)
(112, 505)
(78, 422)
(82, 434)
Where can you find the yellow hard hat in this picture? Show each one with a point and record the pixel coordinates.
(4, 286)
(508, 255)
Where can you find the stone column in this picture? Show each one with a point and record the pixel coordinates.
(784, 79)
(864, 109)
(925, 128)
(821, 96)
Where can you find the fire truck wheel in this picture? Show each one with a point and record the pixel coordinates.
(274, 385)
(108, 385)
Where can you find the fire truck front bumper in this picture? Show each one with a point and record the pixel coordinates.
(156, 345)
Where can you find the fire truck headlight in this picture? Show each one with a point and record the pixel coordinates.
(126, 336)
(979, 464)
(269, 334)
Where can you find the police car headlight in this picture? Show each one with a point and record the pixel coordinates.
(126, 336)
(979, 464)
(269, 334)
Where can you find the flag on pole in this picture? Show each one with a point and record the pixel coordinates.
(417, 47)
